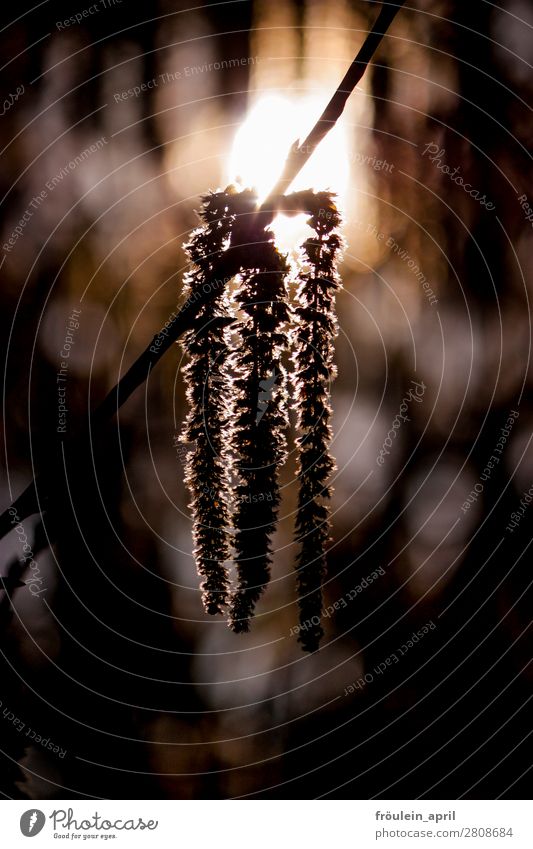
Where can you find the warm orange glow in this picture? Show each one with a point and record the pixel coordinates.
(261, 146)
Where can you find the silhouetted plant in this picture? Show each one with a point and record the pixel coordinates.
(246, 436)
(207, 464)
(313, 372)
(260, 419)
(234, 240)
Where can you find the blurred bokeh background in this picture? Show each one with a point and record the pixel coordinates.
(113, 124)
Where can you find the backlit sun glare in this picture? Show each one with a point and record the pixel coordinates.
(262, 143)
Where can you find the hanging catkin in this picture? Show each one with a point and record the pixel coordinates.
(260, 418)
(237, 394)
(312, 341)
(207, 466)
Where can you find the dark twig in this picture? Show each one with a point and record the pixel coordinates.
(301, 151)
(28, 502)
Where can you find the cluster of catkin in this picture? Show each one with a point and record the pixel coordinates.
(250, 350)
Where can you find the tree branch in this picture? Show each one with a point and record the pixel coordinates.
(301, 151)
(225, 268)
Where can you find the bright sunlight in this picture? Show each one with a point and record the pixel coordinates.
(261, 146)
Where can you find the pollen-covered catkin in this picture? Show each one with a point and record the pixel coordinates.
(207, 467)
(260, 419)
(313, 351)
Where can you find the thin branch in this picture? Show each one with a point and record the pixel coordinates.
(28, 503)
(301, 151)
